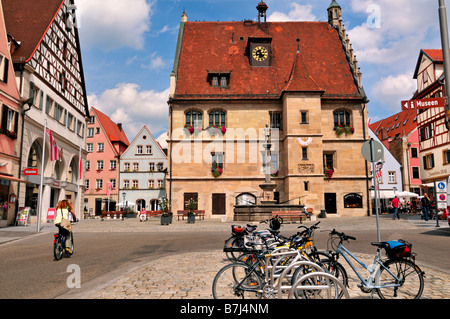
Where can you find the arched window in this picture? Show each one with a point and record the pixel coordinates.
(246, 199)
(217, 117)
(342, 118)
(194, 118)
(34, 157)
(353, 201)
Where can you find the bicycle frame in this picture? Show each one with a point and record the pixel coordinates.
(377, 264)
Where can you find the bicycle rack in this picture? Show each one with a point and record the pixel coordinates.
(276, 280)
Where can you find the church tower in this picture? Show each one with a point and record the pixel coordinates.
(334, 14)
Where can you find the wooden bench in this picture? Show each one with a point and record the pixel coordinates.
(184, 213)
(292, 215)
(154, 213)
(112, 215)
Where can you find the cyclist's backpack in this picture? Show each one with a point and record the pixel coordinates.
(398, 249)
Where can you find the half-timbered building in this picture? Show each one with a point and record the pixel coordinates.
(46, 55)
(433, 134)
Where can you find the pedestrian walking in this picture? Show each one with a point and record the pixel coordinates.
(395, 204)
(425, 206)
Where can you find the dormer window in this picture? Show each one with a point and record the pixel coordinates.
(219, 79)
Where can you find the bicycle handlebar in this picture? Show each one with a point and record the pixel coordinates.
(342, 235)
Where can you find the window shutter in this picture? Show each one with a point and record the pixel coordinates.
(16, 121)
(4, 116)
(5, 71)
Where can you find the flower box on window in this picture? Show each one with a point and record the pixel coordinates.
(329, 172)
(216, 129)
(217, 172)
(11, 134)
(347, 130)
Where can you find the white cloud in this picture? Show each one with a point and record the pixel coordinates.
(112, 24)
(403, 25)
(133, 107)
(156, 62)
(297, 13)
(393, 89)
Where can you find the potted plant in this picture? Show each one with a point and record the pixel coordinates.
(191, 206)
(329, 172)
(166, 215)
(217, 172)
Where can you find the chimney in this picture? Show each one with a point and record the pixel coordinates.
(119, 125)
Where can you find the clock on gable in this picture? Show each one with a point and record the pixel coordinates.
(259, 54)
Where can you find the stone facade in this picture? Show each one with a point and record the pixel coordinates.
(303, 107)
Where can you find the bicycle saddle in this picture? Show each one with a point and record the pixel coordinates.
(381, 244)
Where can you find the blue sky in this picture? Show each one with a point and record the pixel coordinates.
(128, 48)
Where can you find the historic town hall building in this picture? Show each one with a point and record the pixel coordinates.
(231, 79)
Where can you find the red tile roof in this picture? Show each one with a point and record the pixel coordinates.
(113, 132)
(222, 46)
(401, 123)
(434, 54)
(27, 21)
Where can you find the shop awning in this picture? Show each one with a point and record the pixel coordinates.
(13, 179)
(383, 194)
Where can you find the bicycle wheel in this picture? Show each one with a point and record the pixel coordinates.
(336, 269)
(58, 249)
(234, 243)
(237, 281)
(407, 283)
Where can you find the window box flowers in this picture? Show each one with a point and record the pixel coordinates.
(191, 129)
(344, 129)
(217, 172)
(216, 129)
(329, 172)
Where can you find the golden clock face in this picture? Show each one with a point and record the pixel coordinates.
(260, 53)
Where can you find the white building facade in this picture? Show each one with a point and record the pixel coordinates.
(143, 168)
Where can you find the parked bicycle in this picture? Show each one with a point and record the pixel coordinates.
(397, 277)
(237, 244)
(266, 278)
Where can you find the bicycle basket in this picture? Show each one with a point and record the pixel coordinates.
(398, 249)
(237, 230)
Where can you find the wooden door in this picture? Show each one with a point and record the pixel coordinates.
(218, 204)
(187, 197)
(330, 203)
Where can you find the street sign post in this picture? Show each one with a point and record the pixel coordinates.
(423, 104)
(372, 151)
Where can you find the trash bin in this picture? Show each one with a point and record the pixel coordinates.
(323, 213)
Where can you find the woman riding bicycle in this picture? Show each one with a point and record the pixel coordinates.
(63, 209)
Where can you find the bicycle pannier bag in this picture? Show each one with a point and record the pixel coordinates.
(398, 249)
